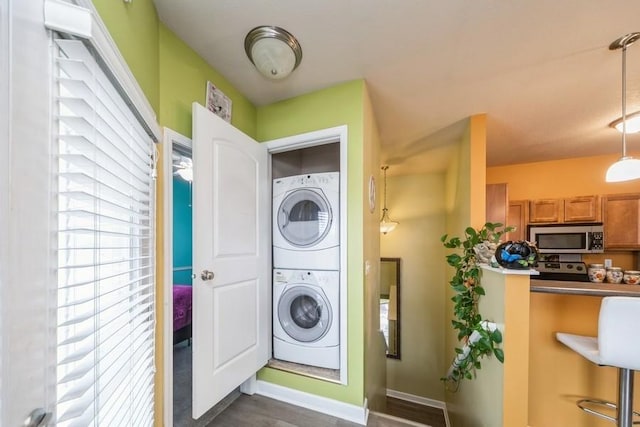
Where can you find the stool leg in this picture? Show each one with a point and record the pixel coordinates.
(625, 397)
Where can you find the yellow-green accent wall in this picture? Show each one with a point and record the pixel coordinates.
(134, 28)
(417, 202)
(375, 359)
(338, 105)
(183, 80)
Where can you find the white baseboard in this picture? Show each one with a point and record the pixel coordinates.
(325, 405)
(421, 401)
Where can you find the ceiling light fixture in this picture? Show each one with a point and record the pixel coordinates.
(273, 50)
(387, 225)
(627, 168)
(184, 168)
(633, 123)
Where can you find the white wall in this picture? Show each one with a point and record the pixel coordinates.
(417, 202)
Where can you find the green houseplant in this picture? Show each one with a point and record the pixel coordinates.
(479, 338)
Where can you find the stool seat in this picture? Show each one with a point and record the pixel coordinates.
(585, 346)
(616, 345)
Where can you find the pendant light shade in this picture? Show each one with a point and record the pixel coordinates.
(627, 168)
(273, 50)
(387, 225)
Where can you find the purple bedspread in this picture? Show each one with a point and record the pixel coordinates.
(181, 306)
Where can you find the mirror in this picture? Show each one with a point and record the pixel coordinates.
(390, 304)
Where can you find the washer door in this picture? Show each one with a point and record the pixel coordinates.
(304, 314)
(304, 217)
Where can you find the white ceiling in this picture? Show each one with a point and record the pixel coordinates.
(540, 69)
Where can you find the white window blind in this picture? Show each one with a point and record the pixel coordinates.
(105, 250)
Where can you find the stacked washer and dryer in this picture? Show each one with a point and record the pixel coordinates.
(306, 275)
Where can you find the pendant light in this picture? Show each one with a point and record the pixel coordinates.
(627, 168)
(387, 225)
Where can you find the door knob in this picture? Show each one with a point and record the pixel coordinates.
(37, 418)
(206, 275)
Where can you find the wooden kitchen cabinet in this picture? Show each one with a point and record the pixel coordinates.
(518, 217)
(621, 219)
(582, 209)
(571, 209)
(496, 203)
(546, 210)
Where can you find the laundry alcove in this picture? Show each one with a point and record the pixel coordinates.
(306, 261)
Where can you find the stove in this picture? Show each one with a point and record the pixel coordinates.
(564, 271)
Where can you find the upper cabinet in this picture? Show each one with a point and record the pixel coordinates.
(546, 210)
(621, 217)
(582, 209)
(573, 209)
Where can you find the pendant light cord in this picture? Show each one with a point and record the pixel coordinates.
(624, 99)
(384, 208)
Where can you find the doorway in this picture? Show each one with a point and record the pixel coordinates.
(178, 168)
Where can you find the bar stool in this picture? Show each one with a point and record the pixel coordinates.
(617, 345)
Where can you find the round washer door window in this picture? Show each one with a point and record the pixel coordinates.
(304, 217)
(304, 314)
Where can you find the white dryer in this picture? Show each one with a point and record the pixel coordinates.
(306, 221)
(306, 311)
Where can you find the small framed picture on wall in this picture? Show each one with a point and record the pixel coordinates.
(218, 102)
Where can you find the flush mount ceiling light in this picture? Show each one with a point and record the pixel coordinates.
(273, 50)
(627, 168)
(387, 225)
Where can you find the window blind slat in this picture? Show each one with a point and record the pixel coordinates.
(106, 262)
(99, 83)
(72, 306)
(78, 390)
(88, 128)
(92, 122)
(71, 162)
(83, 180)
(82, 283)
(105, 250)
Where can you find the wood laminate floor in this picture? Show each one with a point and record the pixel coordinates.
(239, 410)
(260, 411)
(415, 412)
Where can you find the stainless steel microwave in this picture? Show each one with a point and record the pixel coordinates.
(568, 238)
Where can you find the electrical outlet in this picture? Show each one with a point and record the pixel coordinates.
(607, 263)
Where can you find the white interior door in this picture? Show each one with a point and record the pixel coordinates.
(231, 239)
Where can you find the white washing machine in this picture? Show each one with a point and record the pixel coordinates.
(306, 221)
(306, 311)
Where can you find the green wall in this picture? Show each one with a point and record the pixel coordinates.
(417, 202)
(375, 358)
(183, 80)
(338, 105)
(134, 27)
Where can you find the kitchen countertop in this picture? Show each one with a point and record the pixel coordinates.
(584, 288)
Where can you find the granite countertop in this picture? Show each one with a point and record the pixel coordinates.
(584, 288)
